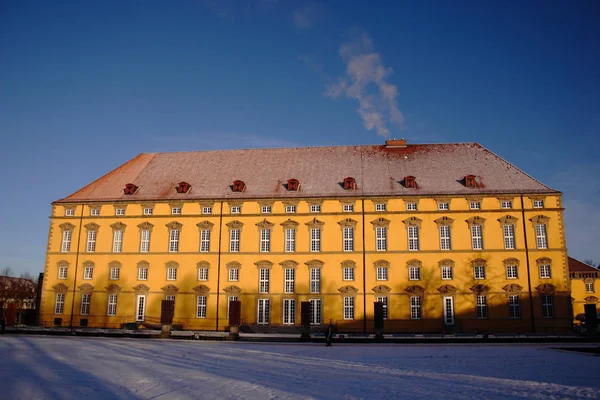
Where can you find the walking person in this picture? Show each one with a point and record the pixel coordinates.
(329, 335)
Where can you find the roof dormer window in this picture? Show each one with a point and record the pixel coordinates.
(130, 189)
(471, 181)
(293, 185)
(349, 183)
(410, 182)
(238, 186)
(183, 187)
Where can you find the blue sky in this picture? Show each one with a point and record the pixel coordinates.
(85, 86)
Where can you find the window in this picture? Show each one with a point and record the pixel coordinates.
(119, 211)
(207, 210)
(176, 210)
(380, 206)
(94, 212)
(265, 240)
(479, 271)
(481, 307)
(512, 272)
(506, 204)
(289, 311)
(443, 206)
(171, 274)
(413, 237)
(145, 240)
(449, 310)
(414, 273)
(66, 241)
(234, 240)
(205, 240)
(141, 308)
(514, 307)
(290, 209)
(290, 240)
(315, 280)
(382, 273)
(315, 311)
(384, 300)
(477, 237)
(541, 237)
(348, 207)
(229, 300)
(59, 305)
(69, 212)
(117, 240)
(447, 272)
(348, 274)
(91, 242)
(115, 272)
(88, 272)
(112, 305)
(411, 206)
(147, 211)
(236, 209)
(142, 274)
(381, 238)
(315, 208)
(538, 204)
(545, 272)
(265, 209)
(85, 304)
(234, 274)
(415, 307)
(263, 312)
(589, 287)
(203, 274)
(509, 236)
(348, 238)
(173, 240)
(264, 281)
(315, 239)
(170, 297)
(348, 307)
(62, 272)
(547, 306)
(201, 307)
(444, 237)
(475, 205)
(290, 275)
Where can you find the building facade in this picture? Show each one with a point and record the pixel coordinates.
(449, 237)
(584, 285)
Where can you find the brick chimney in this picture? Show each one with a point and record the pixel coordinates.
(395, 143)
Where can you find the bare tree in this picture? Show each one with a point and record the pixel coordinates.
(6, 271)
(592, 263)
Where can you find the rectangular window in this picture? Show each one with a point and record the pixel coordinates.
(506, 204)
(443, 206)
(85, 304)
(514, 307)
(289, 311)
(348, 307)
(512, 272)
(315, 280)
(265, 240)
(234, 274)
(201, 307)
(413, 237)
(236, 209)
(145, 241)
(229, 300)
(176, 210)
(115, 273)
(265, 209)
(444, 237)
(348, 207)
(589, 287)
(479, 271)
(173, 240)
(509, 236)
(142, 274)
(141, 308)
(547, 306)
(475, 205)
(541, 237)
(477, 237)
(481, 307)
(66, 242)
(449, 310)
(411, 206)
(380, 206)
(538, 204)
(315, 311)
(414, 273)
(62, 272)
(381, 238)
(446, 272)
(290, 240)
(348, 238)
(415, 307)
(171, 274)
(290, 209)
(315, 208)
(202, 274)
(112, 305)
(117, 241)
(348, 274)
(59, 305)
(205, 240)
(234, 240)
(315, 240)
(207, 210)
(264, 280)
(88, 273)
(94, 212)
(147, 211)
(264, 312)
(290, 276)
(69, 212)
(170, 297)
(91, 241)
(545, 272)
(119, 211)
(384, 300)
(382, 274)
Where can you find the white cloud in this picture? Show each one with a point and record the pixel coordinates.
(366, 81)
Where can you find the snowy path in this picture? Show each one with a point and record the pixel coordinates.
(99, 368)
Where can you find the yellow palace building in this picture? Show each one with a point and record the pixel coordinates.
(449, 237)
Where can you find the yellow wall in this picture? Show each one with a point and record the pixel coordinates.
(331, 256)
(579, 293)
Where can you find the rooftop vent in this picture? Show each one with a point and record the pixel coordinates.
(395, 143)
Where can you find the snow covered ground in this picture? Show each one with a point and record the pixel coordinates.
(44, 367)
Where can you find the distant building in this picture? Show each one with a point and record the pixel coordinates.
(584, 285)
(449, 237)
(17, 300)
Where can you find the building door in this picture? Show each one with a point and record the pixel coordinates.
(449, 310)
(141, 307)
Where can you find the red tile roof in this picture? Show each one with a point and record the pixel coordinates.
(439, 170)
(578, 266)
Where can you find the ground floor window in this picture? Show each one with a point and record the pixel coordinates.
(415, 307)
(201, 307)
(315, 311)
(289, 311)
(263, 311)
(112, 305)
(59, 305)
(548, 306)
(514, 307)
(141, 307)
(481, 307)
(449, 310)
(85, 303)
(348, 307)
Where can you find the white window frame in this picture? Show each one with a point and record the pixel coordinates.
(85, 304)
(509, 236)
(289, 311)
(381, 238)
(348, 238)
(538, 203)
(172, 273)
(175, 210)
(265, 240)
(348, 274)
(263, 312)
(148, 211)
(142, 274)
(115, 273)
(506, 204)
(236, 210)
(514, 307)
(348, 208)
(111, 310)
(170, 297)
(413, 238)
(589, 287)
(69, 212)
(411, 206)
(349, 308)
(445, 240)
(119, 211)
(481, 307)
(290, 209)
(94, 212)
(290, 240)
(416, 307)
(380, 207)
(382, 273)
(512, 271)
(479, 271)
(63, 272)
(265, 209)
(59, 303)
(145, 240)
(541, 236)
(315, 208)
(315, 240)
(447, 272)
(234, 241)
(264, 274)
(203, 274)
(207, 210)
(201, 302)
(547, 305)
(448, 303)
(545, 271)
(233, 275)
(315, 280)
(316, 313)
(289, 280)
(475, 205)
(384, 300)
(91, 241)
(66, 241)
(443, 206)
(414, 273)
(117, 241)
(174, 240)
(140, 307)
(88, 273)
(205, 240)
(477, 237)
